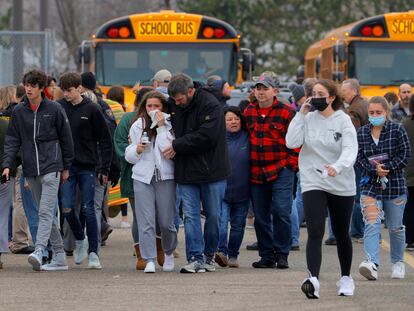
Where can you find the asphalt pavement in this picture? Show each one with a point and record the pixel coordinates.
(118, 286)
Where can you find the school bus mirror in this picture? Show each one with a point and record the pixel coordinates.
(84, 54)
(300, 72)
(338, 76)
(339, 53)
(248, 64)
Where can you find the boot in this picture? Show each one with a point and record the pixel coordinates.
(140, 265)
(160, 252)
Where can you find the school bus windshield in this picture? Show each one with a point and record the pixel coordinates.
(127, 63)
(382, 63)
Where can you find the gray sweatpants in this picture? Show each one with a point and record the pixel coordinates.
(6, 201)
(155, 201)
(44, 189)
(134, 228)
(97, 202)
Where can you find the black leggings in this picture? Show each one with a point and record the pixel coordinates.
(315, 203)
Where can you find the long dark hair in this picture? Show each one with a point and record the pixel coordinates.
(142, 111)
(237, 111)
(333, 91)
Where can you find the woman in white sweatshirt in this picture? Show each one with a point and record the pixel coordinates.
(329, 149)
(153, 175)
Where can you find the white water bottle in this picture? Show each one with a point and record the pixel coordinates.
(145, 139)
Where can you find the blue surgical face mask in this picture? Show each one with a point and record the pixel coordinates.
(377, 121)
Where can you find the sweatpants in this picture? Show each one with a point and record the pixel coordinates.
(98, 202)
(44, 189)
(315, 204)
(6, 201)
(155, 202)
(134, 228)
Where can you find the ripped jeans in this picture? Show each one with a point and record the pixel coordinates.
(373, 212)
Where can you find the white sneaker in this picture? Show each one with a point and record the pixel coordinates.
(58, 263)
(150, 267)
(398, 270)
(346, 286)
(125, 225)
(368, 269)
(81, 250)
(35, 259)
(310, 287)
(168, 263)
(94, 262)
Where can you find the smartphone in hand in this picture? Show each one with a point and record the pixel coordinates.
(4, 179)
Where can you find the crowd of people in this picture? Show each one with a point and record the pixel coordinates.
(182, 152)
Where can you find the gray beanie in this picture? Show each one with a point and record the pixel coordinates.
(298, 92)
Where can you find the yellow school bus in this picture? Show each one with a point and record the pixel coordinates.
(133, 48)
(378, 51)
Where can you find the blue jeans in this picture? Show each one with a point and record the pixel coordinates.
(297, 216)
(178, 206)
(211, 196)
(86, 181)
(392, 211)
(357, 223)
(236, 213)
(272, 204)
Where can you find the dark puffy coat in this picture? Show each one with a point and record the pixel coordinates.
(200, 141)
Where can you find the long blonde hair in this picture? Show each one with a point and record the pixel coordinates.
(384, 103)
(7, 96)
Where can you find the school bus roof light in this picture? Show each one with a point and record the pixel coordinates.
(112, 32)
(124, 32)
(219, 33)
(366, 31)
(208, 32)
(377, 31)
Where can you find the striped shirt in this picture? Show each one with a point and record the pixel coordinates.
(394, 142)
(268, 151)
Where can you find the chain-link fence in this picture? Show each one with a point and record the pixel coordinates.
(24, 50)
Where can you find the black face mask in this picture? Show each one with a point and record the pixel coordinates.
(319, 104)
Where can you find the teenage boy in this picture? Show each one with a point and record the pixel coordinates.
(40, 129)
(89, 129)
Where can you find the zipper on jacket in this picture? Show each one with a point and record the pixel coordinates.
(34, 140)
(56, 154)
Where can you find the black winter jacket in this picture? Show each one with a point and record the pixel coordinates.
(200, 140)
(44, 138)
(89, 128)
(217, 90)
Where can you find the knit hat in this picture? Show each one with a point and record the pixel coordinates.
(88, 80)
(298, 92)
(162, 75)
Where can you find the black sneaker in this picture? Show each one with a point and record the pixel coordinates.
(330, 241)
(252, 247)
(295, 248)
(410, 247)
(69, 253)
(263, 264)
(282, 261)
(27, 250)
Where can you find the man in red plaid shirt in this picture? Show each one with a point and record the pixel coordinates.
(271, 173)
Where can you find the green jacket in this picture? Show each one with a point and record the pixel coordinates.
(120, 144)
(408, 124)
